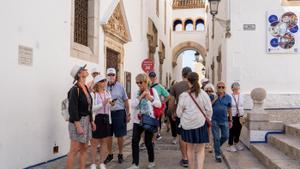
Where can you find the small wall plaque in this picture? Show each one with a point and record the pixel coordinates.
(25, 55)
(249, 27)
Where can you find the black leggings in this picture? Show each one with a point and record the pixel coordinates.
(136, 137)
(235, 131)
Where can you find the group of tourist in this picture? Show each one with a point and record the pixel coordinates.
(195, 111)
(97, 111)
(199, 111)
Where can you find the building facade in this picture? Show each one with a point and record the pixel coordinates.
(42, 40)
(239, 51)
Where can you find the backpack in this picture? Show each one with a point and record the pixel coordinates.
(158, 111)
(65, 106)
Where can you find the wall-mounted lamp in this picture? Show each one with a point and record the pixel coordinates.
(213, 4)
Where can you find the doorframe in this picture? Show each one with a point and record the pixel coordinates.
(113, 44)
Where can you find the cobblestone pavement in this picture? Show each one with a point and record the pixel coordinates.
(167, 156)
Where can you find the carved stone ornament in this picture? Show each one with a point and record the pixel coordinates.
(185, 4)
(161, 57)
(116, 26)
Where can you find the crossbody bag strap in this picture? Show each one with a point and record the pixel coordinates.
(215, 99)
(237, 104)
(198, 106)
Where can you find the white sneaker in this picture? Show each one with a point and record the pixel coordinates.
(239, 146)
(93, 166)
(133, 167)
(151, 165)
(174, 141)
(142, 146)
(102, 166)
(159, 137)
(231, 149)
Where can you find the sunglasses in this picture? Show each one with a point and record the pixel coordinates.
(221, 87)
(209, 91)
(139, 83)
(111, 75)
(102, 81)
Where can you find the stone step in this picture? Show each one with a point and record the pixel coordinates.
(293, 129)
(289, 145)
(272, 158)
(241, 159)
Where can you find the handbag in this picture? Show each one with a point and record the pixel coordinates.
(149, 123)
(158, 111)
(209, 124)
(241, 117)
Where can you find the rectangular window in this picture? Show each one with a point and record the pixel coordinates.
(81, 22)
(84, 33)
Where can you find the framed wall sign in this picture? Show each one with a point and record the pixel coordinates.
(282, 32)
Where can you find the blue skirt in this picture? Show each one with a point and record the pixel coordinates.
(196, 136)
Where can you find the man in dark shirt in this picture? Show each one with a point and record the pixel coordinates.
(175, 91)
(221, 119)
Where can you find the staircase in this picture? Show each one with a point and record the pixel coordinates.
(282, 151)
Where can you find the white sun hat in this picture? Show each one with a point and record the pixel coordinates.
(99, 78)
(95, 70)
(75, 70)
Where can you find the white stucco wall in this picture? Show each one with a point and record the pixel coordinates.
(30, 123)
(276, 72)
(184, 36)
(244, 56)
(178, 37)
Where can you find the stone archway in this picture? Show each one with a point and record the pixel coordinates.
(186, 46)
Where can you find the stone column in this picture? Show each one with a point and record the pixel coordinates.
(258, 123)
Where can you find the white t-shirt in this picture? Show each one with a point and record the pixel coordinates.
(188, 112)
(240, 101)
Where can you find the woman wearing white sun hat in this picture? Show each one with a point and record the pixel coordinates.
(94, 72)
(81, 120)
(102, 103)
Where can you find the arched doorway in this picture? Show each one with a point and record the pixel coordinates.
(184, 53)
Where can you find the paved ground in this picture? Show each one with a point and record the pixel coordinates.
(167, 157)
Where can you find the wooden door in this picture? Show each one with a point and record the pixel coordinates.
(113, 60)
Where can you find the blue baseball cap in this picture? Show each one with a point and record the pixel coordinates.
(152, 74)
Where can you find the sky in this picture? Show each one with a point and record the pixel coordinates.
(188, 59)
